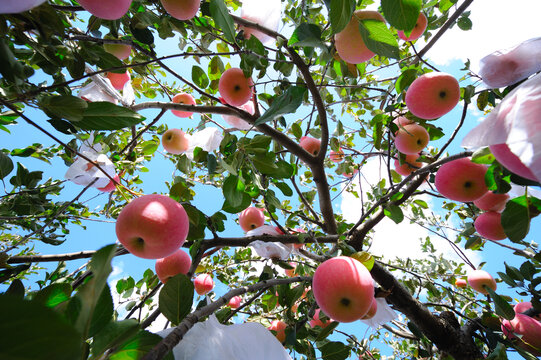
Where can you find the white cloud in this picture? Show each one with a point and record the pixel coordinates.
(497, 24)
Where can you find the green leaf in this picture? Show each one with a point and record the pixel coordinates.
(176, 298)
(265, 163)
(138, 346)
(113, 334)
(31, 331)
(516, 218)
(103, 311)
(501, 307)
(482, 100)
(53, 294)
(66, 107)
(394, 213)
(284, 188)
(306, 35)
(378, 38)
(334, 351)
(483, 156)
(16, 289)
(233, 190)
(401, 14)
(6, 165)
(286, 103)
(223, 19)
(340, 13)
(464, 23)
(104, 115)
(405, 79)
(199, 77)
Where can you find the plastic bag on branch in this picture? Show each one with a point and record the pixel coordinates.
(269, 250)
(18, 6)
(92, 92)
(383, 315)
(514, 123)
(509, 66)
(212, 340)
(237, 122)
(265, 13)
(208, 139)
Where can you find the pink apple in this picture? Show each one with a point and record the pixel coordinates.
(492, 202)
(175, 141)
(280, 327)
(152, 226)
(234, 302)
(478, 279)
(178, 262)
(121, 51)
(410, 165)
(411, 139)
(108, 10)
(310, 144)
(349, 175)
(203, 284)
(234, 87)
(510, 161)
(418, 30)
(372, 311)
(349, 42)
(291, 272)
(316, 321)
(343, 288)
(251, 218)
(118, 80)
(461, 283)
(111, 186)
(461, 180)
(181, 9)
(238, 122)
(432, 95)
(527, 327)
(186, 99)
(402, 121)
(489, 225)
(336, 156)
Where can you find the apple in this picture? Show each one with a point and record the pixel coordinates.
(372, 311)
(527, 327)
(511, 162)
(349, 175)
(411, 139)
(237, 122)
(152, 226)
(251, 218)
(489, 225)
(203, 284)
(178, 262)
(478, 279)
(18, 6)
(280, 327)
(349, 42)
(108, 10)
(410, 165)
(181, 9)
(402, 121)
(461, 180)
(432, 95)
(111, 186)
(343, 288)
(418, 30)
(234, 302)
(291, 272)
(336, 156)
(492, 202)
(186, 99)
(234, 87)
(310, 144)
(461, 283)
(118, 80)
(175, 141)
(121, 51)
(316, 321)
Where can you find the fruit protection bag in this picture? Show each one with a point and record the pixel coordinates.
(211, 340)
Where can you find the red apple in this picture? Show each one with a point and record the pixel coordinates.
(489, 225)
(181, 9)
(280, 327)
(118, 80)
(234, 302)
(237, 122)
(121, 51)
(461, 283)
(478, 279)
(418, 30)
(527, 327)
(511, 162)
(203, 284)
(410, 165)
(492, 202)
(234, 87)
(343, 288)
(336, 156)
(349, 42)
(316, 321)
(186, 99)
(152, 226)
(402, 121)
(461, 180)
(251, 218)
(175, 141)
(411, 139)
(310, 144)
(108, 10)
(178, 262)
(432, 95)
(372, 311)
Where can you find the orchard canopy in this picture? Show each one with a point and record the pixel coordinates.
(270, 179)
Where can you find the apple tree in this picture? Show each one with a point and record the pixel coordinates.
(298, 101)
